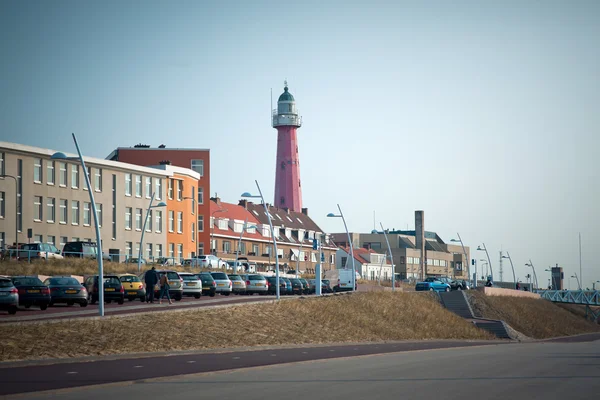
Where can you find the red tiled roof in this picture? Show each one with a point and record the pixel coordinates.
(361, 253)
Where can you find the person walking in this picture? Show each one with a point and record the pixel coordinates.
(150, 279)
(164, 289)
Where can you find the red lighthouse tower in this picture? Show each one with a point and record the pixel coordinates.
(288, 192)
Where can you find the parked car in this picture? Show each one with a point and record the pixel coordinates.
(288, 286)
(239, 285)
(164, 261)
(192, 285)
(326, 286)
(297, 287)
(433, 284)
(9, 295)
(459, 284)
(209, 286)
(32, 291)
(224, 285)
(175, 283)
(344, 280)
(37, 251)
(113, 288)
(133, 286)
(256, 284)
(134, 260)
(305, 285)
(82, 250)
(66, 289)
(209, 261)
(240, 266)
(272, 285)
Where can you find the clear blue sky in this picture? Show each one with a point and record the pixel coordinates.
(484, 114)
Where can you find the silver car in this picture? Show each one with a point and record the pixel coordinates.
(9, 296)
(224, 284)
(239, 285)
(192, 285)
(255, 284)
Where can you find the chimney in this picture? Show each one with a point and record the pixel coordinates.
(305, 211)
(216, 200)
(287, 210)
(420, 241)
(243, 203)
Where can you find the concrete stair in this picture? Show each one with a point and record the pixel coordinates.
(494, 327)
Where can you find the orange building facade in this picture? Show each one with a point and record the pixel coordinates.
(197, 160)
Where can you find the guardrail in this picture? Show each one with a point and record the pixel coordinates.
(586, 297)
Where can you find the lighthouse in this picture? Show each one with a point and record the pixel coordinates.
(288, 190)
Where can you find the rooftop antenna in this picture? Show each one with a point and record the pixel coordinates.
(374, 226)
(271, 110)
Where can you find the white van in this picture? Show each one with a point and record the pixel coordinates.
(341, 279)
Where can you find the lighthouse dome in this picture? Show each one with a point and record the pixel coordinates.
(286, 96)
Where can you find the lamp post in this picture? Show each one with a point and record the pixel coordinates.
(240, 243)
(530, 264)
(391, 256)
(513, 269)
(464, 252)
(594, 285)
(16, 211)
(486, 266)
(150, 206)
(578, 283)
(488, 257)
(341, 215)
(554, 287)
(260, 196)
(212, 228)
(62, 156)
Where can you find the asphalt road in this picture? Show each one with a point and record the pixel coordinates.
(559, 370)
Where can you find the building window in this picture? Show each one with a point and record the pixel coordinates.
(128, 249)
(138, 219)
(62, 174)
(37, 238)
(179, 190)
(200, 249)
(226, 246)
(138, 186)
(200, 195)
(63, 240)
(148, 254)
(51, 240)
(2, 205)
(171, 221)
(74, 239)
(158, 190)
(74, 176)
(193, 232)
(63, 211)
(170, 189)
(149, 223)
(193, 200)
(171, 250)
(128, 211)
(99, 213)
(37, 208)
(87, 171)
(179, 222)
(158, 221)
(198, 166)
(180, 251)
(2, 170)
(200, 223)
(255, 249)
(50, 204)
(159, 250)
(87, 213)
(75, 212)
(98, 180)
(137, 248)
(2, 238)
(37, 170)
(242, 248)
(50, 172)
(148, 187)
(128, 184)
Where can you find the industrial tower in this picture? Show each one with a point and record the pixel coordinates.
(288, 190)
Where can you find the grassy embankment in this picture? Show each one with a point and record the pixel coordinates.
(360, 317)
(535, 318)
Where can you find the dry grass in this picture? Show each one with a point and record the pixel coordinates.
(577, 309)
(360, 317)
(536, 318)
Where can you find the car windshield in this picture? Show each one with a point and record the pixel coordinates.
(171, 275)
(206, 278)
(4, 283)
(256, 278)
(129, 278)
(27, 282)
(235, 277)
(62, 281)
(189, 277)
(219, 275)
(112, 280)
(325, 281)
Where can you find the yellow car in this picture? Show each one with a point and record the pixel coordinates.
(134, 288)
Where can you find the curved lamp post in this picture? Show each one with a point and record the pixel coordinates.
(16, 212)
(488, 257)
(62, 156)
(554, 285)
(576, 277)
(465, 253)
(260, 196)
(530, 264)
(513, 268)
(150, 206)
(391, 256)
(237, 253)
(341, 215)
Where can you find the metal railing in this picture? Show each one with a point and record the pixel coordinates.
(586, 297)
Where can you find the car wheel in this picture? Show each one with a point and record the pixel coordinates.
(459, 288)
(178, 298)
(142, 299)
(92, 300)
(83, 303)
(212, 294)
(121, 301)
(431, 289)
(196, 296)
(43, 307)
(12, 310)
(447, 289)
(226, 293)
(50, 304)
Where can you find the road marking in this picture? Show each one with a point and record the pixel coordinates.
(356, 348)
(236, 358)
(332, 351)
(305, 352)
(273, 355)
(71, 373)
(138, 366)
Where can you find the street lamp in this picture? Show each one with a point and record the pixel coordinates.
(513, 268)
(240, 243)
(16, 212)
(464, 252)
(578, 283)
(341, 215)
(62, 156)
(212, 227)
(391, 256)
(554, 286)
(488, 257)
(484, 262)
(260, 196)
(150, 206)
(530, 264)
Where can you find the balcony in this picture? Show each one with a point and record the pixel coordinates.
(286, 120)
